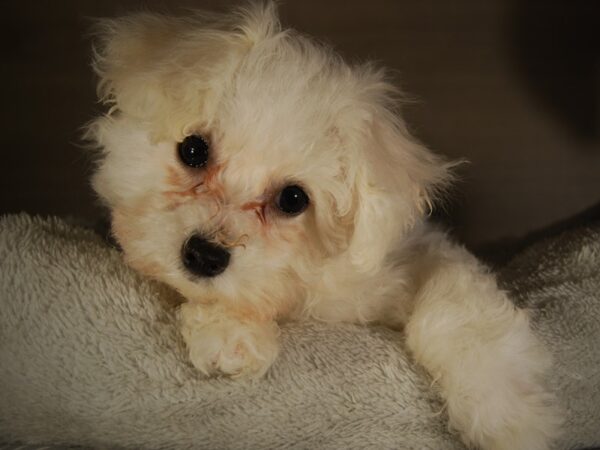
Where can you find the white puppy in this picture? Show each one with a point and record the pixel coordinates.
(264, 178)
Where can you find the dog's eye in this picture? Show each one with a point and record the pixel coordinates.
(193, 151)
(292, 200)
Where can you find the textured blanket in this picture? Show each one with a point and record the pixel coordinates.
(90, 356)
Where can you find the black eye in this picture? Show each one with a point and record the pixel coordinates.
(292, 200)
(193, 151)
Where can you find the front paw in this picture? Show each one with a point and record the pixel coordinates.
(221, 344)
(507, 418)
(500, 401)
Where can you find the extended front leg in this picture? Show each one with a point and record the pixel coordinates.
(481, 353)
(220, 341)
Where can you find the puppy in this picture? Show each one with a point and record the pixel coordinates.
(262, 177)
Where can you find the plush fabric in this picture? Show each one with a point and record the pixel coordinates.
(90, 355)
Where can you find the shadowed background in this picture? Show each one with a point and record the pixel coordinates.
(513, 86)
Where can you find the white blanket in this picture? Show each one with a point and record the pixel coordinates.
(90, 355)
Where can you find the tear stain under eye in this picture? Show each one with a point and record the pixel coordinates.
(259, 210)
(174, 177)
(177, 180)
(211, 174)
(206, 186)
(178, 198)
(190, 192)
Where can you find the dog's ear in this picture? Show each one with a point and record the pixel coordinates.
(147, 62)
(397, 181)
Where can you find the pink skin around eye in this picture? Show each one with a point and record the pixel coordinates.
(211, 175)
(259, 209)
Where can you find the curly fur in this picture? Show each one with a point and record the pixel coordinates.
(279, 108)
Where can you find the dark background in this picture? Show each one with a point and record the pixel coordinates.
(514, 86)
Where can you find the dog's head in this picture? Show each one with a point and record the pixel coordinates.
(248, 164)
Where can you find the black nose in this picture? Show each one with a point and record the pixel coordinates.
(204, 258)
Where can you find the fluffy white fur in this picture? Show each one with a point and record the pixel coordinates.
(279, 108)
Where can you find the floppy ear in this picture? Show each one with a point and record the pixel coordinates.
(396, 184)
(147, 62)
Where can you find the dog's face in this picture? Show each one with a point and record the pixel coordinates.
(249, 165)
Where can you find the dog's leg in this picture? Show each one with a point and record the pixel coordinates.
(481, 353)
(221, 342)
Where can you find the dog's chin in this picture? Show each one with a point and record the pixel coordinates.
(201, 290)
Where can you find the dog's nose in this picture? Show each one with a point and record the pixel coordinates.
(204, 258)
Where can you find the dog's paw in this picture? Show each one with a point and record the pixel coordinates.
(508, 420)
(220, 344)
(503, 404)
(233, 348)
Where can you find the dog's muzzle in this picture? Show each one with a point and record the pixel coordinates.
(204, 258)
